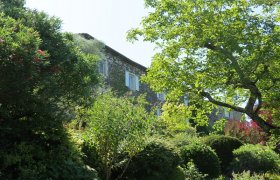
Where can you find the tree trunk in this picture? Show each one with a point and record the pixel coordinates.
(261, 122)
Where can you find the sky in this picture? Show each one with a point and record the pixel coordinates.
(106, 20)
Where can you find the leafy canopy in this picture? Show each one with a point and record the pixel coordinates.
(223, 52)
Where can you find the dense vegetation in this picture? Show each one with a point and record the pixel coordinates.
(44, 76)
(56, 124)
(219, 53)
(223, 146)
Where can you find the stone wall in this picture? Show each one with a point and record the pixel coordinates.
(117, 65)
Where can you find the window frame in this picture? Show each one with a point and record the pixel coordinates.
(104, 69)
(131, 76)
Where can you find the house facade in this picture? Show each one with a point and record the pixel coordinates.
(123, 76)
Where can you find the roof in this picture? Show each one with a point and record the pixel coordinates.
(111, 50)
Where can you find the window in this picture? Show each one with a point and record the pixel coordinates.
(103, 67)
(161, 96)
(158, 112)
(227, 114)
(131, 81)
(186, 100)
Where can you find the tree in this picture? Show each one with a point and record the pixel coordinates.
(89, 46)
(42, 76)
(223, 52)
(46, 64)
(117, 125)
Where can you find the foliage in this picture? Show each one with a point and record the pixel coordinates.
(43, 76)
(117, 125)
(177, 118)
(89, 46)
(219, 126)
(255, 158)
(221, 52)
(27, 160)
(191, 172)
(248, 132)
(246, 175)
(46, 62)
(204, 158)
(155, 161)
(274, 141)
(174, 117)
(223, 146)
(182, 139)
(91, 157)
(270, 176)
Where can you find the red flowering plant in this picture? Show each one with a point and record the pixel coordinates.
(271, 112)
(248, 132)
(41, 60)
(40, 56)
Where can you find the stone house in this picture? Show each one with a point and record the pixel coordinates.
(221, 112)
(123, 76)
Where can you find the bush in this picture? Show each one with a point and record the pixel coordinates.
(117, 125)
(248, 132)
(269, 176)
(178, 174)
(181, 139)
(188, 173)
(191, 172)
(91, 158)
(31, 161)
(223, 146)
(156, 161)
(204, 158)
(255, 158)
(246, 175)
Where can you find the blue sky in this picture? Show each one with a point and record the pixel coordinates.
(106, 20)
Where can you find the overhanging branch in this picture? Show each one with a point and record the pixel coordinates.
(229, 55)
(219, 103)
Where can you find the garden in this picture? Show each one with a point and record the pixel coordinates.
(56, 123)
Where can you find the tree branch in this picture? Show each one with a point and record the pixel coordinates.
(233, 60)
(212, 100)
(262, 73)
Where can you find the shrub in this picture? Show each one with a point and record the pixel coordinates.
(191, 172)
(269, 176)
(91, 158)
(182, 139)
(31, 161)
(248, 132)
(205, 159)
(188, 173)
(255, 158)
(155, 161)
(223, 146)
(178, 174)
(218, 127)
(117, 125)
(246, 175)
